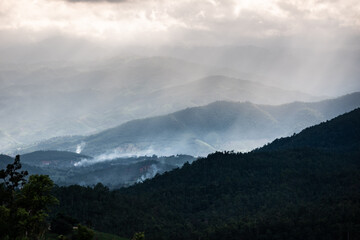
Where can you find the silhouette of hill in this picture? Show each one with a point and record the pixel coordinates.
(292, 193)
(340, 134)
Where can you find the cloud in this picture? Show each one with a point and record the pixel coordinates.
(158, 22)
(97, 1)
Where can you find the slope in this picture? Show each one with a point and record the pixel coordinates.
(53, 159)
(78, 99)
(5, 160)
(288, 194)
(224, 88)
(201, 130)
(340, 134)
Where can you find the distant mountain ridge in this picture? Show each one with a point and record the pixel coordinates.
(81, 99)
(224, 88)
(67, 168)
(213, 88)
(53, 159)
(201, 130)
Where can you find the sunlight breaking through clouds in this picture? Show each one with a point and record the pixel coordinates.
(185, 21)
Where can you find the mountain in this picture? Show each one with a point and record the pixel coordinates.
(80, 99)
(114, 173)
(67, 168)
(287, 67)
(340, 134)
(291, 193)
(5, 160)
(223, 88)
(52, 159)
(202, 130)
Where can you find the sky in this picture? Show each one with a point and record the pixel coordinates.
(186, 22)
(307, 44)
(81, 66)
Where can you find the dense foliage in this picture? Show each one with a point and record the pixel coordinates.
(66, 168)
(302, 187)
(340, 134)
(23, 203)
(282, 195)
(288, 192)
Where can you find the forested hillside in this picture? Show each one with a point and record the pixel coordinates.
(179, 120)
(67, 168)
(299, 193)
(340, 134)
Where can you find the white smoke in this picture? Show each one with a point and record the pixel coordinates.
(80, 147)
(152, 171)
(114, 154)
(132, 151)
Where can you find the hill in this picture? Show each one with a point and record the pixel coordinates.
(340, 134)
(5, 160)
(80, 99)
(67, 168)
(225, 88)
(52, 159)
(118, 172)
(294, 193)
(201, 130)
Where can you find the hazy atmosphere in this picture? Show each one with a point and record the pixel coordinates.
(179, 119)
(77, 67)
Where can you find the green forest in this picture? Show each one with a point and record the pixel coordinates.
(281, 195)
(303, 187)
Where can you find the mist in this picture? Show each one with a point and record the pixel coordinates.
(71, 68)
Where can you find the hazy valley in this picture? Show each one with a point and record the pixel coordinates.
(81, 99)
(179, 120)
(199, 131)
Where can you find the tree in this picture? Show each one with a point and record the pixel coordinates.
(12, 179)
(9, 212)
(62, 224)
(84, 233)
(138, 236)
(24, 204)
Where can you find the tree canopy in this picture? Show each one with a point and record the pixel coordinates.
(24, 203)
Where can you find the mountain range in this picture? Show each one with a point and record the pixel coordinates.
(80, 99)
(239, 126)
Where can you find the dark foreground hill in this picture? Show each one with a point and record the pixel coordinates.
(290, 193)
(340, 134)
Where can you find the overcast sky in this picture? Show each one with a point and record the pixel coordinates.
(320, 39)
(54, 53)
(185, 22)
